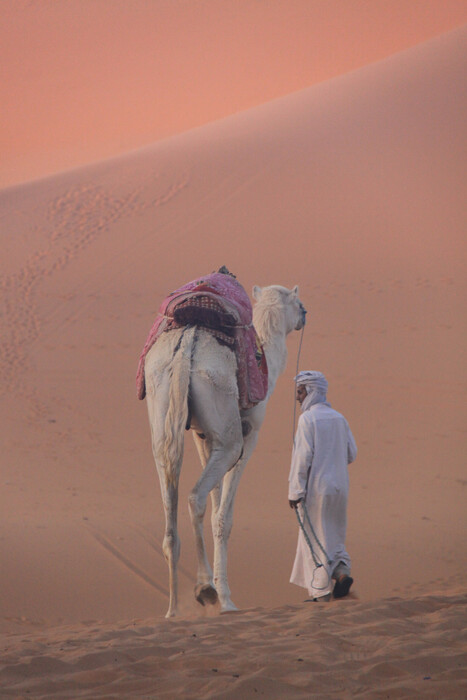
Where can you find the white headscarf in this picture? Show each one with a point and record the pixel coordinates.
(316, 387)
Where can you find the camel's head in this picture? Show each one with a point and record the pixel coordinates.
(288, 299)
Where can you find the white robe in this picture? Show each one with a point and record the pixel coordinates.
(323, 447)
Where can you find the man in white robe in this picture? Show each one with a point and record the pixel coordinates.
(319, 482)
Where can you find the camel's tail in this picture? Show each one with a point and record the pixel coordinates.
(177, 413)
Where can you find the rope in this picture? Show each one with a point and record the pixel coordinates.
(315, 535)
(295, 386)
(305, 534)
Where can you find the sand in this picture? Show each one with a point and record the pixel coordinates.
(347, 649)
(355, 190)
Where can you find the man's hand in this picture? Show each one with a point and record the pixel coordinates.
(294, 504)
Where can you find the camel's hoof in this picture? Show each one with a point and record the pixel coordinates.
(229, 608)
(206, 594)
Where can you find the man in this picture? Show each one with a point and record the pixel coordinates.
(318, 489)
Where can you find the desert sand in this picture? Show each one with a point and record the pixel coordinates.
(391, 648)
(354, 189)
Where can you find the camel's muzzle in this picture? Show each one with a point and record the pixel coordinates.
(302, 321)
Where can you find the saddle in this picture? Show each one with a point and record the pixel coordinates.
(212, 313)
(220, 305)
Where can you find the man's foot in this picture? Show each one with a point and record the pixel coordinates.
(321, 599)
(342, 586)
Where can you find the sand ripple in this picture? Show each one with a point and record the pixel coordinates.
(395, 648)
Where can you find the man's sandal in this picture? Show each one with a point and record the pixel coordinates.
(342, 586)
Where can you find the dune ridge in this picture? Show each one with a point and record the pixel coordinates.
(85, 82)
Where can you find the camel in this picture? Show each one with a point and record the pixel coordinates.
(191, 382)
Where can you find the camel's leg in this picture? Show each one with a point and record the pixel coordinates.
(171, 541)
(223, 448)
(204, 589)
(220, 460)
(169, 492)
(203, 452)
(222, 523)
(216, 494)
(206, 592)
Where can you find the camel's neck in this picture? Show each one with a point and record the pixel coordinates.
(273, 340)
(276, 356)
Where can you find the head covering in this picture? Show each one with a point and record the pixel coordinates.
(316, 387)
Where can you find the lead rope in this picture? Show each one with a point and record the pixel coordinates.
(317, 563)
(295, 386)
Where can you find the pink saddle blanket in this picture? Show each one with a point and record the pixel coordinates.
(218, 303)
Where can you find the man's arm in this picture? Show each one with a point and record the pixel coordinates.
(351, 446)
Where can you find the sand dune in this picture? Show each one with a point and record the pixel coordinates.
(86, 81)
(393, 648)
(355, 190)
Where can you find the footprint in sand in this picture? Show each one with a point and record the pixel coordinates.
(71, 221)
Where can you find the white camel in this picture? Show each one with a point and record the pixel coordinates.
(191, 377)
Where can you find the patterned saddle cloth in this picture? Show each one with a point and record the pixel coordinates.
(220, 305)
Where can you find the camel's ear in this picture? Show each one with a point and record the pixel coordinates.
(295, 290)
(257, 291)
